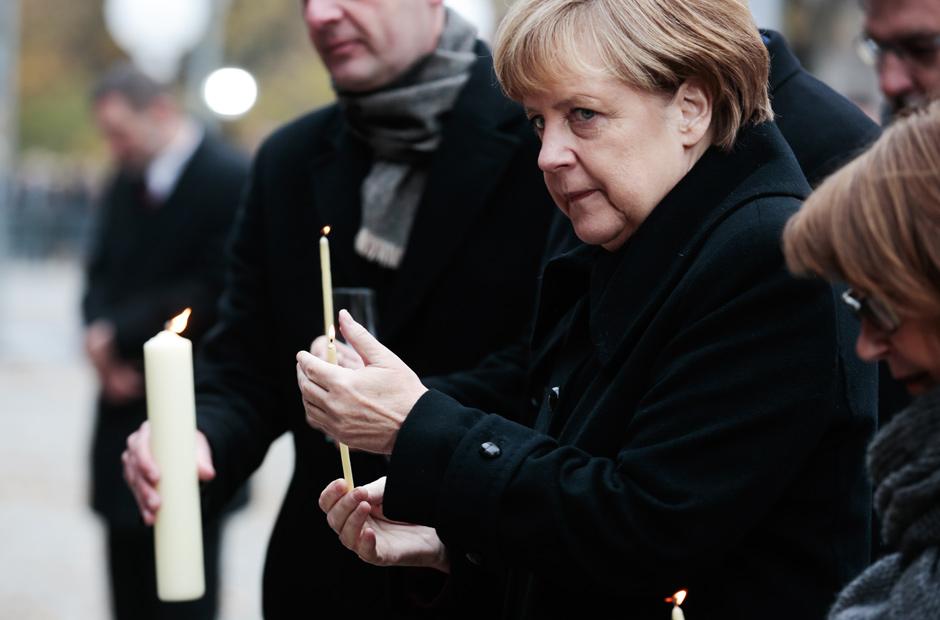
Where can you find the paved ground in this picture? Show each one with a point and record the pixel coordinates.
(51, 553)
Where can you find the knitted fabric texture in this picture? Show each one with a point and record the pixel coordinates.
(904, 462)
(402, 125)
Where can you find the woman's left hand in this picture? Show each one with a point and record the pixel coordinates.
(357, 517)
(362, 408)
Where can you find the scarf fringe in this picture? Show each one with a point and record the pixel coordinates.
(378, 250)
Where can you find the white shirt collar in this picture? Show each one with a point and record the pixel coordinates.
(165, 169)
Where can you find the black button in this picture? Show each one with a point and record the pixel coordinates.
(553, 395)
(474, 558)
(490, 450)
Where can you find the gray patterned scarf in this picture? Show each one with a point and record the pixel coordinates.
(904, 462)
(402, 124)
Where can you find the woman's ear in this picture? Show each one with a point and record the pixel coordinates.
(694, 106)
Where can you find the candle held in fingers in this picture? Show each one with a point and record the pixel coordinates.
(343, 448)
(171, 410)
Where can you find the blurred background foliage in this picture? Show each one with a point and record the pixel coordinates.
(65, 46)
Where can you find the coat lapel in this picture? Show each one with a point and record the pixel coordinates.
(335, 176)
(474, 154)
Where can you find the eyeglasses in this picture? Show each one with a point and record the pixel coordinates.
(872, 310)
(917, 50)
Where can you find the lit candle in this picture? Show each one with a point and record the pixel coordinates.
(677, 598)
(171, 409)
(326, 279)
(343, 448)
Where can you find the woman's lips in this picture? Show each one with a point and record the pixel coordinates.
(576, 196)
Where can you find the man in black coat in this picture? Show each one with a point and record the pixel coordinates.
(427, 176)
(163, 221)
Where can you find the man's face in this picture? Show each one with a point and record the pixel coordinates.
(132, 135)
(908, 32)
(365, 44)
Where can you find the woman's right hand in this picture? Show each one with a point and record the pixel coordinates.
(357, 517)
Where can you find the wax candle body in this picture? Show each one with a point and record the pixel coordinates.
(171, 409)
(677, 613)
(326, 280)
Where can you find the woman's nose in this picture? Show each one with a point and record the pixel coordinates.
(555, 153)
(872, 343)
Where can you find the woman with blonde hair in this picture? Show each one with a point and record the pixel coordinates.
(692, 421)
(875, 225)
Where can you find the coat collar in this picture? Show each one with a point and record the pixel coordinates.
(625, 288)
(783, 64)
(477, 146)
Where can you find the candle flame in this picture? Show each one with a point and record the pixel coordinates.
(326, 230)
(678, 597)
(331, 333)
(178, 323)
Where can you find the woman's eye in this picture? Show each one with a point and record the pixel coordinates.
(583, 114)
(538, 123)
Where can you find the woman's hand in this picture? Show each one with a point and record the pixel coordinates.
(362, 408)
(357, 518)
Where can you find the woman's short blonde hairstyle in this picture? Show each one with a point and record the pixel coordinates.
(875, 224)
(652, 45)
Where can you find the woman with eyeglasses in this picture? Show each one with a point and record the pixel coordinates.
(875, 224)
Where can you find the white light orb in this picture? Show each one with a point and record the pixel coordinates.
(230, 92)
(157, 33)
(477, 12)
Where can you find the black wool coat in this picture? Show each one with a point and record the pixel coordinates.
(147, 264)
(466, 286)
(698, 423)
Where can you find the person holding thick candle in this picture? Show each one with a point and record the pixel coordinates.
(158, 248)
(702, 421)
(875, 225)
(425, 173)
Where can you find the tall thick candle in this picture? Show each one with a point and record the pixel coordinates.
(171, 409)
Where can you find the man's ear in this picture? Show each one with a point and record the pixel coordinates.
(694, 105)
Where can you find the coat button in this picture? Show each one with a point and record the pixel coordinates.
(474, 558)
(490, 450)
(553, 395)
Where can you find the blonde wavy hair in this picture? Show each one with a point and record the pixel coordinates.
(652, 45)
(875, 224)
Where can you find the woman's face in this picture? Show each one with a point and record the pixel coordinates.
(912, 351)
(611, 152)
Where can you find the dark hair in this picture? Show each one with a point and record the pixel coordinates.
(126, 80)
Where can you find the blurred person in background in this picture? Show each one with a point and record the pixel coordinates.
(426, 174)
(902, 39)
(875, 225)
(163, 221)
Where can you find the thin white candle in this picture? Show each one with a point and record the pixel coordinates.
(343, 448)
(171, 409)
(326, 280)
(678, 599)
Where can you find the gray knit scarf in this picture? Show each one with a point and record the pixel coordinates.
(402, 125)
(904, 462)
